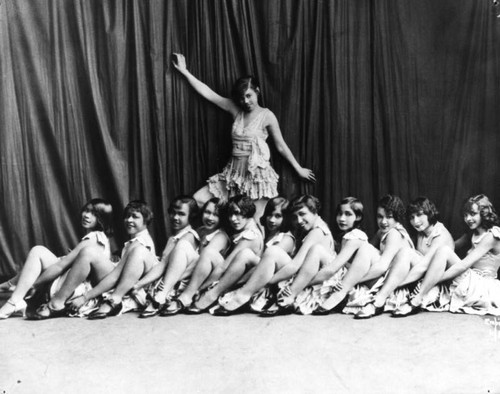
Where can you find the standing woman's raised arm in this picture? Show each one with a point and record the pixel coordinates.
(202, 89)
(282, 147)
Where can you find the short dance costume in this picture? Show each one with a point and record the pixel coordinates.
(249, 171)
(476, 291)
(313, 296)
(364, 294)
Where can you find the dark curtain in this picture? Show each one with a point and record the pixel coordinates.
(375, 96)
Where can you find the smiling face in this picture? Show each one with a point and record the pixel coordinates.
(420, 222)
(305, 218)
(236, 219)
(385, 220)
(249, 100)
(346, 218)
(473, 217)
(89, 219)
(134, 223)
(210, 216)
(179, 217)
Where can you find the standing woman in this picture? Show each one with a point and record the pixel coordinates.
(249, 171)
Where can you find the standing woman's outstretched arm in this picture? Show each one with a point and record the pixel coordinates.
(282, 147)
(202, 89)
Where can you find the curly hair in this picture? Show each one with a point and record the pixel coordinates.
(245, 205)
(425, 206)
(489, 217)
(394, 205)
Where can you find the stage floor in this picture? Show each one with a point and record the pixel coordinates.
(425, 353)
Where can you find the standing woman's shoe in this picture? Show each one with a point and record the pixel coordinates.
(17, 308)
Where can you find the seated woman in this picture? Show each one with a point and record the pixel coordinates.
(474, 288)
(183, 259)
(275, 221)
(138, 256)
(369, 264)
(211, 265)
(276, 265)
(322, 270)
(410, 264)
(42, 266)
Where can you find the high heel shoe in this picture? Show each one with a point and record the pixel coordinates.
(19, 309)
(221, 311)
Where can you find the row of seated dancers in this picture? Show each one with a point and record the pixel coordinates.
(290, 262)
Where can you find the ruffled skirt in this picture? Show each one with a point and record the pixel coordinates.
(236, 178)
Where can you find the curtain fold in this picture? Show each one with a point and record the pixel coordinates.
(375, 97)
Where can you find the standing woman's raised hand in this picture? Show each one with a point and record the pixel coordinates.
(179, 62)
(306, 174)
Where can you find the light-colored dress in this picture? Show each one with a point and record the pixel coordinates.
(476, 291)
(400, 297)
(313, 296)
(249, 171)
(364, 293)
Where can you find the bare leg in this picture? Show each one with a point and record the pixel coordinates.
(38, 260)
(316, 257)
(233, 273)
(90, 260)
(176, 266)
(273, 259)
(361, 264)
(397, 272)
(443, 258)
(260, 205)
(207, 261)
(203, 195)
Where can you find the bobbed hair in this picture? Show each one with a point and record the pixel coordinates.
(310, 202)
(394, 205)
(103, 211)
(241, 85)
(179, 201)
(271, 205)
(139, 206)
(489, 217)
(356, 206)
(243, 203)
(423, 205)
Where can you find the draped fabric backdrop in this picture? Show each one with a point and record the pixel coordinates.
(374, 96)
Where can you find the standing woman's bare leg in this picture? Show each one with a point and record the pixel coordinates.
(203, 195)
